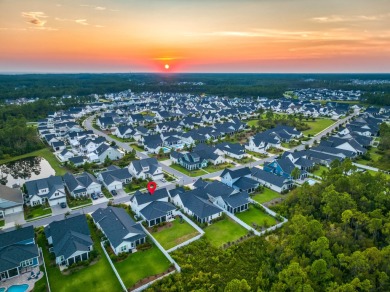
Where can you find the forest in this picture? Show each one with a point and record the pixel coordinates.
(232, 85)
(16, 137)
(337, 239)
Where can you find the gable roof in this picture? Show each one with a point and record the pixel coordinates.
(156, 209)
(69, 235)
(117, 225)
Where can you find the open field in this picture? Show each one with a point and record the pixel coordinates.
(317, 126)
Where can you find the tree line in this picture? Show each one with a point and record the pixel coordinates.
(337, 239)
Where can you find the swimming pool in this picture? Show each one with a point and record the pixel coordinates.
(166, 149)
(2, 289)
(18, 288)
(311, 181)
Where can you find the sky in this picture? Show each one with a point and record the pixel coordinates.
(254, 36)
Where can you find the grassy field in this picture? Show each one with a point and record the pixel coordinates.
(224, 231)
(176, 234)
(192, 173)
(254, 215)
(140, 265)
(97, 277)
(317, 126)
(45, 153)
(266, 196)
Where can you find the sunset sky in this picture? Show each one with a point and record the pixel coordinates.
(195, 36)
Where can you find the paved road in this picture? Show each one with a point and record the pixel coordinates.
(185, 179)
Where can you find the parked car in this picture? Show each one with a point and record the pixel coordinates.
(114, 193)
(94, 196)
(100, 195)
(163, 180)
(63, 205)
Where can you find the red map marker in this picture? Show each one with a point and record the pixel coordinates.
(152, 186)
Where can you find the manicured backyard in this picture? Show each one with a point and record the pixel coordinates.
(256, 216)
(317, 126)
(140, 265)
(175, 234)
(266, 196)
(224, 231)
(191, 173)
(319, 171)
(96, 277)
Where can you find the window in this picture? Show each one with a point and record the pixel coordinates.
(27, 263)
(123, 248)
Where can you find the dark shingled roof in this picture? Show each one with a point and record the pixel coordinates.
(69, 235)
(156, 209)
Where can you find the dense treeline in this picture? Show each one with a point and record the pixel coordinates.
(337, 239)
(16, 137)
(381, 98)
(241, 85)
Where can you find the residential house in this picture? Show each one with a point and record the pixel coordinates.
(81, 185)
(18, 252)
(114, 177)
(50, 190)
(239, 179)
(194, 203)
(274, 182)
(123, 234)
(70, 239)
(283, 167)
(11, 201)
(146, 168)
(154, 209)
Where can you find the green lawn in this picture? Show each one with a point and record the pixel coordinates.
(73, 203)
(317, 126)
(36, 211)
(137, 148)
(214, 168)
(120, 139)
(224, 231)
(2, 222)
(243, 160)
(254, 215)
(192, 173)
(134, 186)
(176, 234)
(97, 277)
(140, 265)
(319, 171)
(45, 153)
(266, 196)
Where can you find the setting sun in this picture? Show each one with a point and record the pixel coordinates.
(166, 66)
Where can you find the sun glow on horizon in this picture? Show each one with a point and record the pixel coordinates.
(166, 67)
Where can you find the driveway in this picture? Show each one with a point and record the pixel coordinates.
(57, 210)
(15, 218)
(100, 201)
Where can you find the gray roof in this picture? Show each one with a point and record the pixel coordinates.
(201, 207)
(118, 174)
(143, 198)
(69, 235)
(10, 197)
(269, 177)
(157, 209)
(13, 247)
(245, 183)
(117, 225)
(237, 173)
(54, 183)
